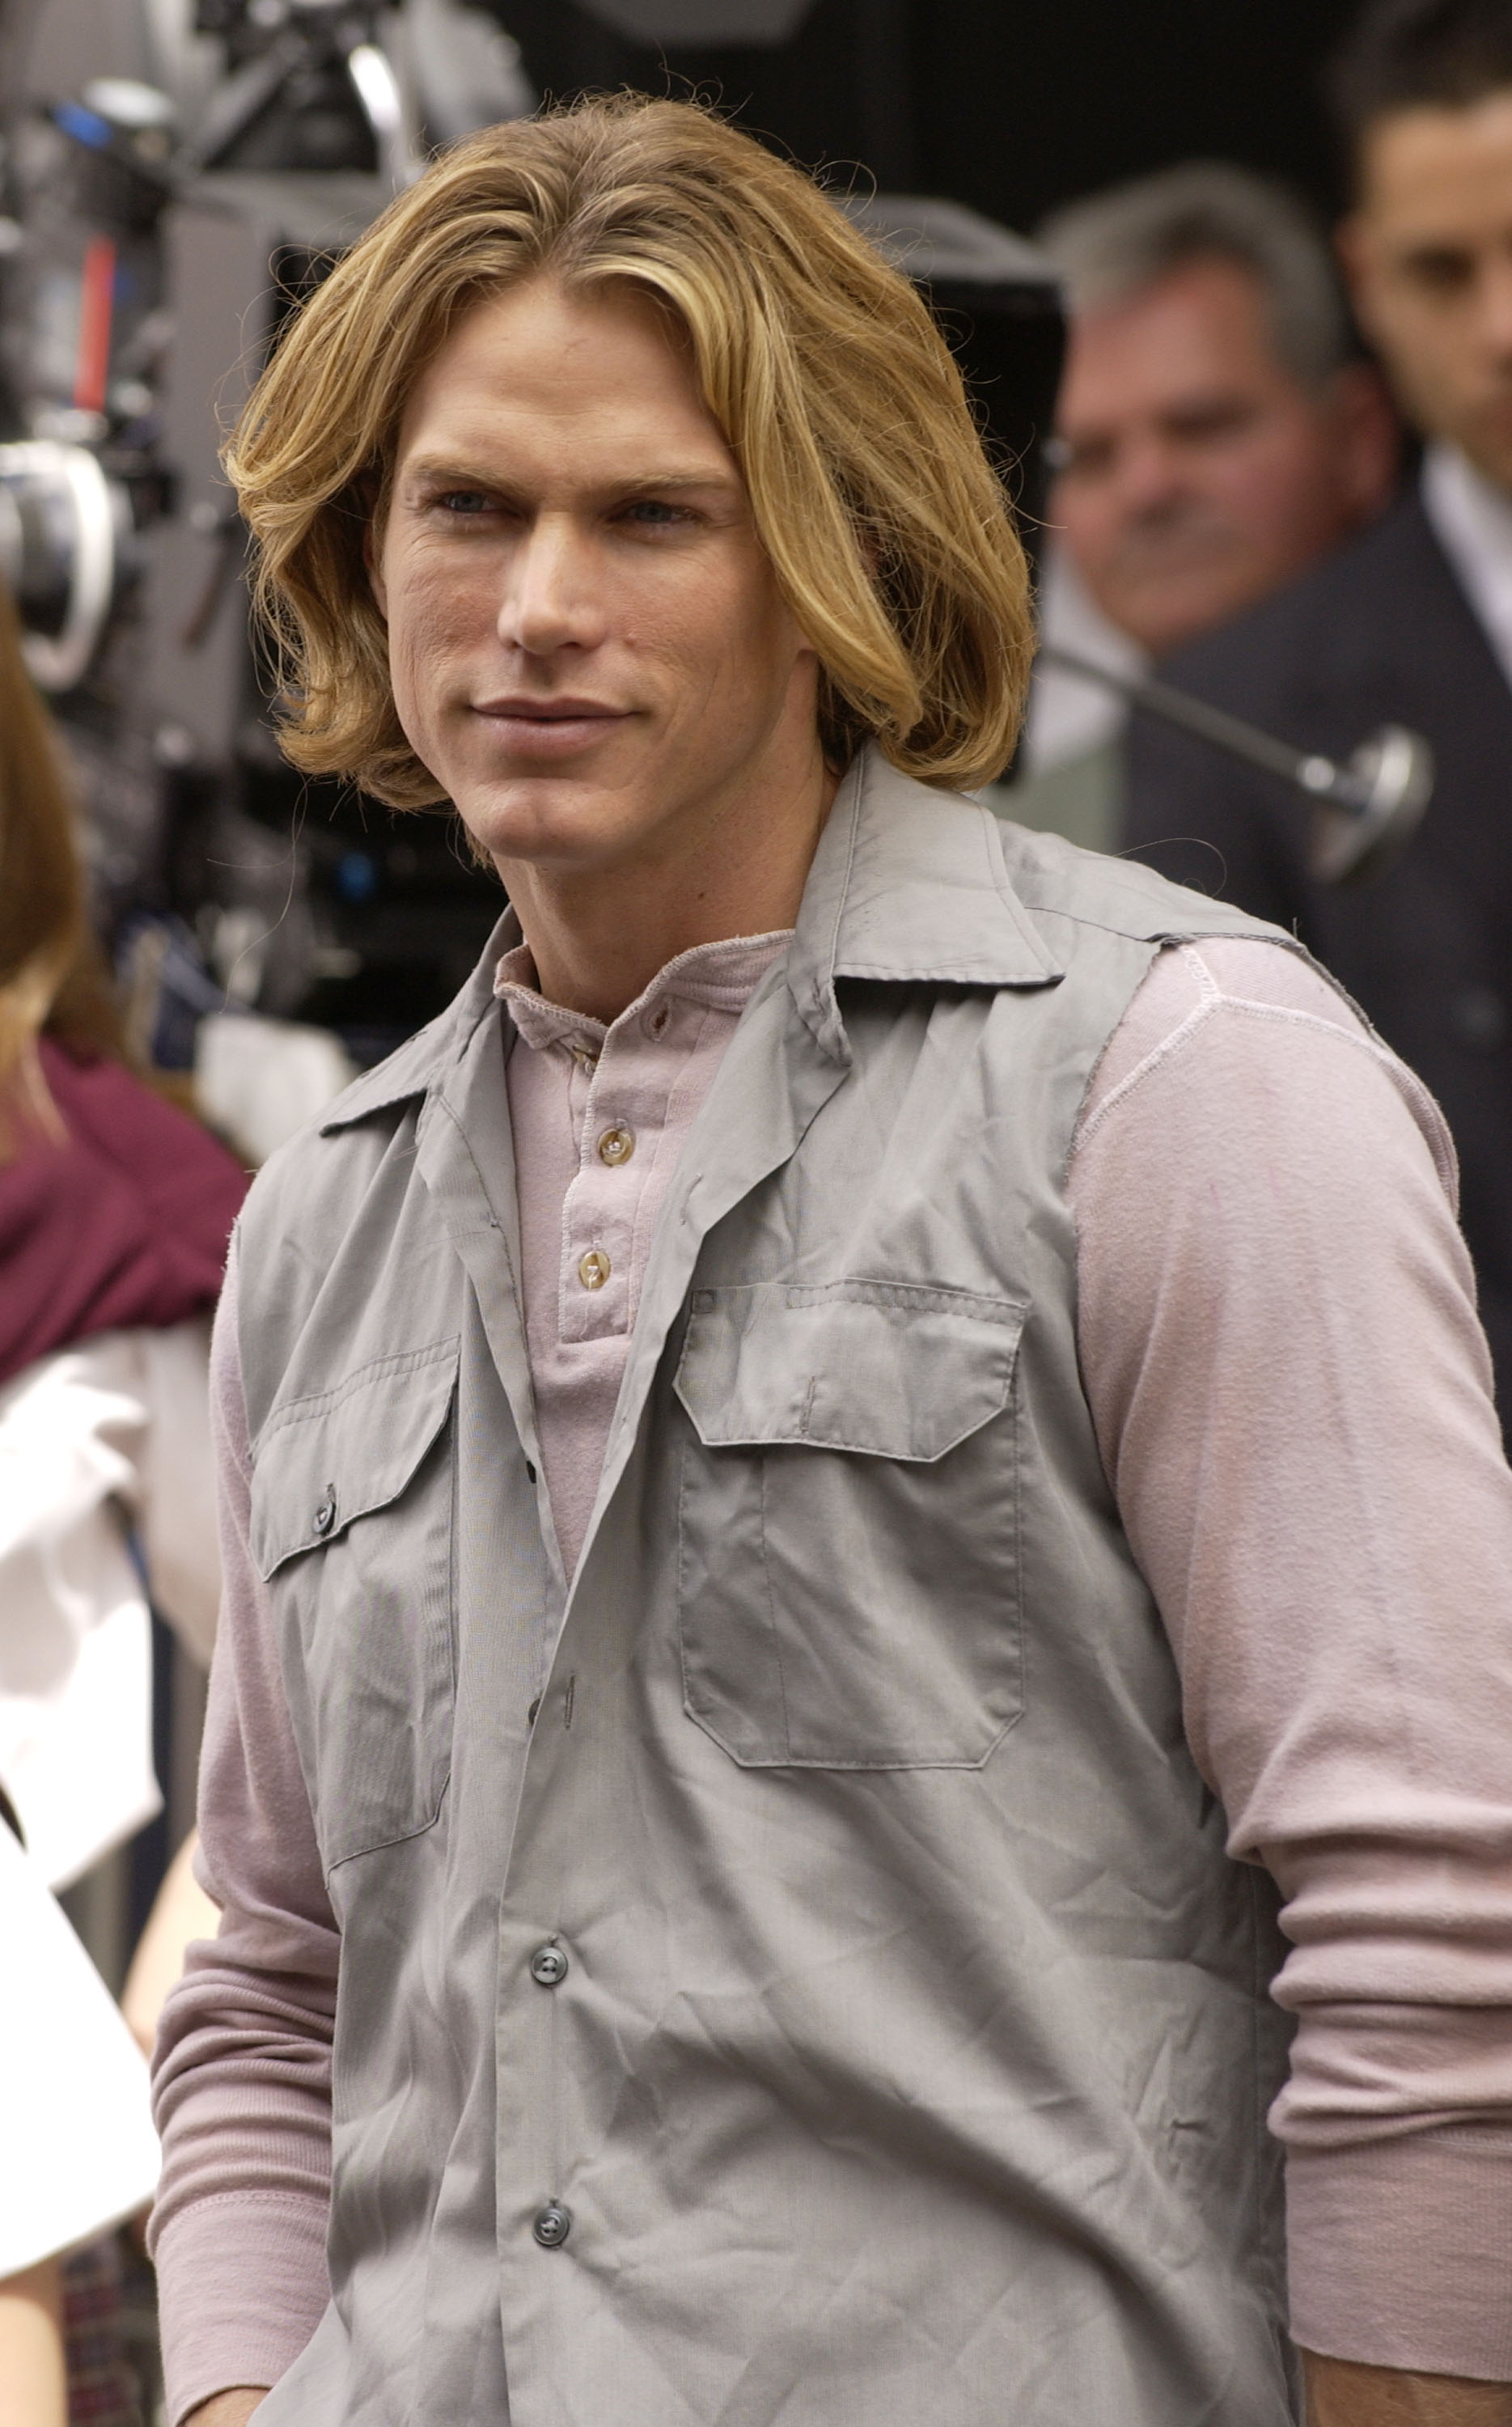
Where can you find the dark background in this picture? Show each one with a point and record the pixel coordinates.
(1011, 106)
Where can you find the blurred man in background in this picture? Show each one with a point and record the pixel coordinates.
(1412, 622)
(1215, 434)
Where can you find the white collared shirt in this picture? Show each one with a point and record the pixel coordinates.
(1471, 520)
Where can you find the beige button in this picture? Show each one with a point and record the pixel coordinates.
(617, 1145)
(594, 1269)
(585, 1055)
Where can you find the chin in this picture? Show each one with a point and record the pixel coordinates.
(1160, 635)
(562, 820)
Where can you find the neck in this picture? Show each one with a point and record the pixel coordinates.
(1483, 474)
(598, 936)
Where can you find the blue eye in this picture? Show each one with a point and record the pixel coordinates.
(464, 501)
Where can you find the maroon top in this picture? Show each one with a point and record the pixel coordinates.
(124, 1221)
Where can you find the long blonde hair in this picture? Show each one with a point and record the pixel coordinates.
(887, 526)
(52, 979)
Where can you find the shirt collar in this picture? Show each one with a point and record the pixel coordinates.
(721, 976)
(1471, 520)
(908, 886)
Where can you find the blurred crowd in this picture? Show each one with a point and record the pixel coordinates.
(1282, 474)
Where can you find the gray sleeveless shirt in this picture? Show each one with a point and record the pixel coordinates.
(823, 1998)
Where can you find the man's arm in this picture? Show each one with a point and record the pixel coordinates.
(1342, 2394)
(1293, 1399)
(230, 2409)
(242, 2074)
(33, 2376)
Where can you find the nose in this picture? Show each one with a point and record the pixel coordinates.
(551, 599)
(1150, 476)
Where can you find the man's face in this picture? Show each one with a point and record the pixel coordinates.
(586, 642)
(1429, 254)
(1199, 473)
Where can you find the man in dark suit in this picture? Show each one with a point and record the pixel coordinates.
(1409, 623)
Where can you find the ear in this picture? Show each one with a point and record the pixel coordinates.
(374, 570)
(1352, 245)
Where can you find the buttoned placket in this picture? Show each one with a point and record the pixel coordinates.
(619, 1099)
(601, 1211)
(536, 1959)
(594, 1283)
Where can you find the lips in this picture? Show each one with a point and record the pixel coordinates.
(566, 710)
(550, 728)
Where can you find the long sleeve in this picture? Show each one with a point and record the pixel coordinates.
(1293, 1397)
(242, 2070)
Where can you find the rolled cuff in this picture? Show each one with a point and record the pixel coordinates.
(1401, 2253)
(242, 2283)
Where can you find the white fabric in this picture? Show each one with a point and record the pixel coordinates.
(1068, 716)
(94, 1443)
(79, 2152)
(259, 1081)
(1471, 521)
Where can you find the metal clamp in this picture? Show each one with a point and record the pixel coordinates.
(1365, 813)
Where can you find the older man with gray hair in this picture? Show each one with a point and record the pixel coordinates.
(1216, 434)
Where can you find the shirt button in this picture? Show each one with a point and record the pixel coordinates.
(593, 1271)
(548, 1965)
(584, 1054)
(552, 2225)
(325, 1516)
(617, 1145)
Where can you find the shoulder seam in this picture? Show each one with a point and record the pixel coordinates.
(1429, 1117)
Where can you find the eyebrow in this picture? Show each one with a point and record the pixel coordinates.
(436, 467)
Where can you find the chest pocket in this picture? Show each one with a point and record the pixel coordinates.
(848, 1572)
(351, 1527)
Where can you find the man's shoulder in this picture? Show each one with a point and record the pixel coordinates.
(1101, 893)
(354, 1125)
(347, 1175)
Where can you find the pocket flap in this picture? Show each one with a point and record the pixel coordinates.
(886, 1368)
(321, 1462)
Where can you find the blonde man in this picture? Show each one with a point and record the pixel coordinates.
(838, 1485)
